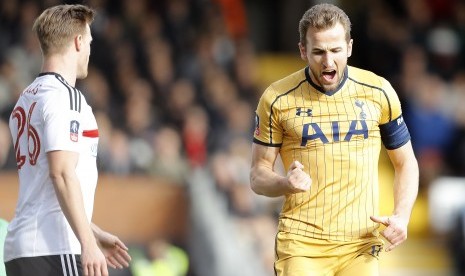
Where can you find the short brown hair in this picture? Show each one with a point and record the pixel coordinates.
(323, 16)
(58, 24)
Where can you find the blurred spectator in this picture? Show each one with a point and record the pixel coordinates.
(239, 123)
(414, 66)
(141, 121)
(5, 143)
(194, 136)
(245, 72)
(233, 12)
(253, 215)
(181, 96)
(3, 230)
(168, 160)
(444, 46)
(218, 92)
(160, 65)
(10, 84)
(97, 91)
(432, 130)
(456, 109)
(119, 159)
(8, 23)
(162, 259)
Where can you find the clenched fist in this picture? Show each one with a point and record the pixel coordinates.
(298, 180)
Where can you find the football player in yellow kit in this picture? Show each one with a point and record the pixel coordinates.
(327, 122)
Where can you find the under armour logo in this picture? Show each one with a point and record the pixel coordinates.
(301, 112)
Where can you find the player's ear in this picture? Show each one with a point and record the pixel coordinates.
(78, 42)
(349, 47)
(303, 51)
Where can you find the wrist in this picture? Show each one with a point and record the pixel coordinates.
(286, 185)
(88, 240)
(402, 216)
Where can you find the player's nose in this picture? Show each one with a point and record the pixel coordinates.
(328, 60)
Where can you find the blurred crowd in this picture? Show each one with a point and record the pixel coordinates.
(173, 85)
(163, 80)
(419, 45)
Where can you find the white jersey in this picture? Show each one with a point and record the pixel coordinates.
(50, 115)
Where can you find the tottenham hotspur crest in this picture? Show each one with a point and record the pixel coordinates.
(361, 105)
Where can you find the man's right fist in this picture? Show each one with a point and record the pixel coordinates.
(298, 180)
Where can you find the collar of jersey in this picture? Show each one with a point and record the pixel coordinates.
(52, 73)
(317, 87)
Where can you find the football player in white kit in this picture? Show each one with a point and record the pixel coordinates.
(55, 138)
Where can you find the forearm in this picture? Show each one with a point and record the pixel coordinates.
(99, 234)
(264, 181)
(405, 189)
(95, 229)
(405, 180)
(71, 202)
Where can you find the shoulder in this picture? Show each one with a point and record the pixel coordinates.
(52, 86)
(368, 78)
(58, 94)
(285, 85)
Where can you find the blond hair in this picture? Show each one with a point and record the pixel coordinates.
(57, 25)
(321, 17)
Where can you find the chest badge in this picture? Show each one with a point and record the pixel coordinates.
(361, 105)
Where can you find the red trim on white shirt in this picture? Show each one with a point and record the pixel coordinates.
(90, 133)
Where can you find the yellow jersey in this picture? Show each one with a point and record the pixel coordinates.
(336, 136)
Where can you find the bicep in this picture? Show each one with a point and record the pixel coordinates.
(62, 162)
(402, 155)
(264, 156)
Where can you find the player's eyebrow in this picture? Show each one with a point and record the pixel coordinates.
(321, 50)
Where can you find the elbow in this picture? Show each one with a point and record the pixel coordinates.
(255, 189)
(57, 181)
(58, 177)
(55, 176)
(253, 184)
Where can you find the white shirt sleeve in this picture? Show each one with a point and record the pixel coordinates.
(62, 124)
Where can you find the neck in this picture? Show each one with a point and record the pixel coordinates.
(60, 64)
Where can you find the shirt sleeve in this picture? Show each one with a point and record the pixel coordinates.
(268, 130)
(394, 131)
(391, 107)
(62, 124)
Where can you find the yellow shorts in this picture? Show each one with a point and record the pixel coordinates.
(302, 256)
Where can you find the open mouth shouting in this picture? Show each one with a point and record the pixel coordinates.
(328, 76)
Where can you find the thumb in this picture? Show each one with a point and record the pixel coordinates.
(296, 165)
(380, 219)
